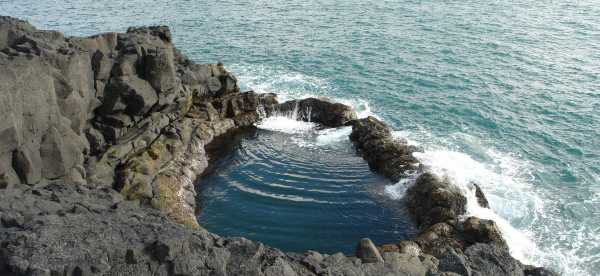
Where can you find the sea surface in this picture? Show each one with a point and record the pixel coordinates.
(504, 93)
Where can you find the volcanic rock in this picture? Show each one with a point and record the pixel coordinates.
(322, 111)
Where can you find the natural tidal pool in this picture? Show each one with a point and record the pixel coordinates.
(297, 188)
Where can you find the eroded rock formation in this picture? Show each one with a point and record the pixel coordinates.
(102, 138)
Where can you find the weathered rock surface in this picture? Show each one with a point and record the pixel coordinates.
(384, 153)
(322, 111)
(63, 229)
(432, 200)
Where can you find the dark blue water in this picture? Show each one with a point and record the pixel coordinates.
(503, 92)
(316, 194)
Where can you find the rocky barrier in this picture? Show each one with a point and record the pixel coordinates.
(101, 141)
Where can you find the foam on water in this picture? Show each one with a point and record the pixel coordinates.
(287, 85)
(333, 135)
(285, 124)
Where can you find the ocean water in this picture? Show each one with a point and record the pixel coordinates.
(506, 93)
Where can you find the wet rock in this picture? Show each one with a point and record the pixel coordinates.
(481, 199)
(432, 200)
(269, 102)
(454, 262)
(538, 271)
(367, 252)
(482, 230)
(384, 153)
(322, 111)
(438, 239)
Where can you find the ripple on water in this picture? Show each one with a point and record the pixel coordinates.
(322, 197)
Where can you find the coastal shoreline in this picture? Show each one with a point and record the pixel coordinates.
(105, 137)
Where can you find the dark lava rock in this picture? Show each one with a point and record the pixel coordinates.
(437, 206)
(431, 200)
(385, 154)
(481, 199)
(476, 230)
(321, 111)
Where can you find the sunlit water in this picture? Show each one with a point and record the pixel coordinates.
(503, 92)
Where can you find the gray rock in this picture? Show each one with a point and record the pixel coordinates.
(481, 199)
(133, 96)
(488, 259)
(367, 252)
(432, 200)
(453, 262)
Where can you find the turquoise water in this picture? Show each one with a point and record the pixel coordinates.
(506, 92)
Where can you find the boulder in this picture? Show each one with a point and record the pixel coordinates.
(432, 200)
(483, 231)
(367, 252)
(489, 259)
(133, 96)
(322, 111)
(159, 69)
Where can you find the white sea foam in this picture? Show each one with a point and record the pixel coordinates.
(463, 170)
(333, 135)
(285, 124)
(287, 85)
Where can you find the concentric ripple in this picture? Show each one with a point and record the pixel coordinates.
(297, 193)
